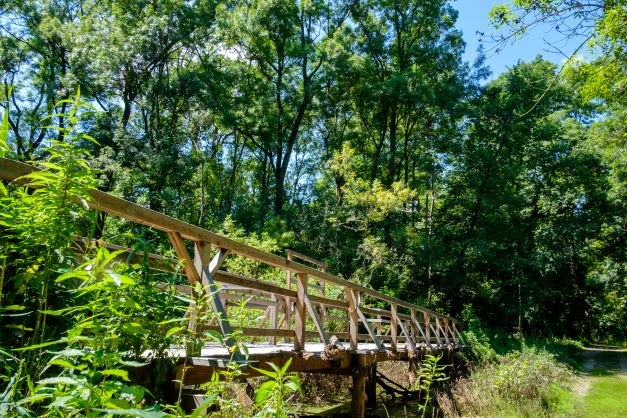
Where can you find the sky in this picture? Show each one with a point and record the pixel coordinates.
(473, 17)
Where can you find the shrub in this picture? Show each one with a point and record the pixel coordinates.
(529, 382)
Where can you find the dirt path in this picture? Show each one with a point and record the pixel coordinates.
(602, 385)
(606, 360)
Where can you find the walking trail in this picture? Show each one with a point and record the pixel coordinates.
(603, 384)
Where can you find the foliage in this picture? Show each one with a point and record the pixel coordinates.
(529, 382)
(430, 372)
(270, 395)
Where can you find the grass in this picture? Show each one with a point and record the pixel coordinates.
(607, 397)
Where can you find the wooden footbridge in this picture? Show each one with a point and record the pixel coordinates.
(323, 323)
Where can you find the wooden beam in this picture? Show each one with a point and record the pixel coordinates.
(364, 321)
(410, 340)
(394, 327)
(440, 329)
(353, 319)
(358, 402)
(11, 170)
(317, 322)
(301, 312)
(273, 317)
(417, 326)
(437, 336)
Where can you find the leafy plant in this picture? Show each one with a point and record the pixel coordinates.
(430, 372)
(90, 374)
(270, 395)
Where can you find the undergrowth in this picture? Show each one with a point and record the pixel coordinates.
(530, 382)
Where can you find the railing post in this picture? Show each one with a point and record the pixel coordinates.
(439, 327)
(273, 316)
(288, 302)
(301, 312)
(353, 318)
(447, 331)
(393, 326)
(427, 319)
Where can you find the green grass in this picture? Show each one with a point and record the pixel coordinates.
(607, 397)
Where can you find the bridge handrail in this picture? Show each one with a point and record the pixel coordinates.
(14, 171)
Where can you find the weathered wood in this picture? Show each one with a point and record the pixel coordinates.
(291, 254)
(437, 336)
(317, 322)
(416, 325)
(273, 317)
(409, 340)
(353, 319)
(300, 311)
(258, 332)
(394, 326)
(358, 403)
(10, 170)
(371, 386)
(355, 298)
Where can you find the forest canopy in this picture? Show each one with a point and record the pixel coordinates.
(353, 132)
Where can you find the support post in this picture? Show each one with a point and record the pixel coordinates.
(371, 386)
(301, 311)
(358, 403)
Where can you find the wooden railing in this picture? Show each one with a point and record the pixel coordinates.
(288, 310)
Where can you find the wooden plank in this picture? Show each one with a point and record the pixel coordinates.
(317, 322)
(291, 254)
(364, 321)
(394, 327)
(417, 326)
(440, 329)
(437, 337)
(256, 332)
(10, 170)
(188, 264)
(231, 278)
(353, 319)
(340, 304)
(191, 274)
(410, 340)
(300, 312)
(427, 321)
(273, 317)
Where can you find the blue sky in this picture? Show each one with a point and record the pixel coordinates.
(473, 16)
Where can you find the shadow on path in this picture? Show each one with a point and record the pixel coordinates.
(603, 362)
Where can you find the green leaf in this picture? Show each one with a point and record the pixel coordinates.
(60, 380)
(173, 331)
(293, 386)
(42, 345)
(65, 364)
(286, 366)
(132, 412)
(122, 374)
(264, 392)
(131, 363)
(35, 398)
(268, 373)
(200, 411)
